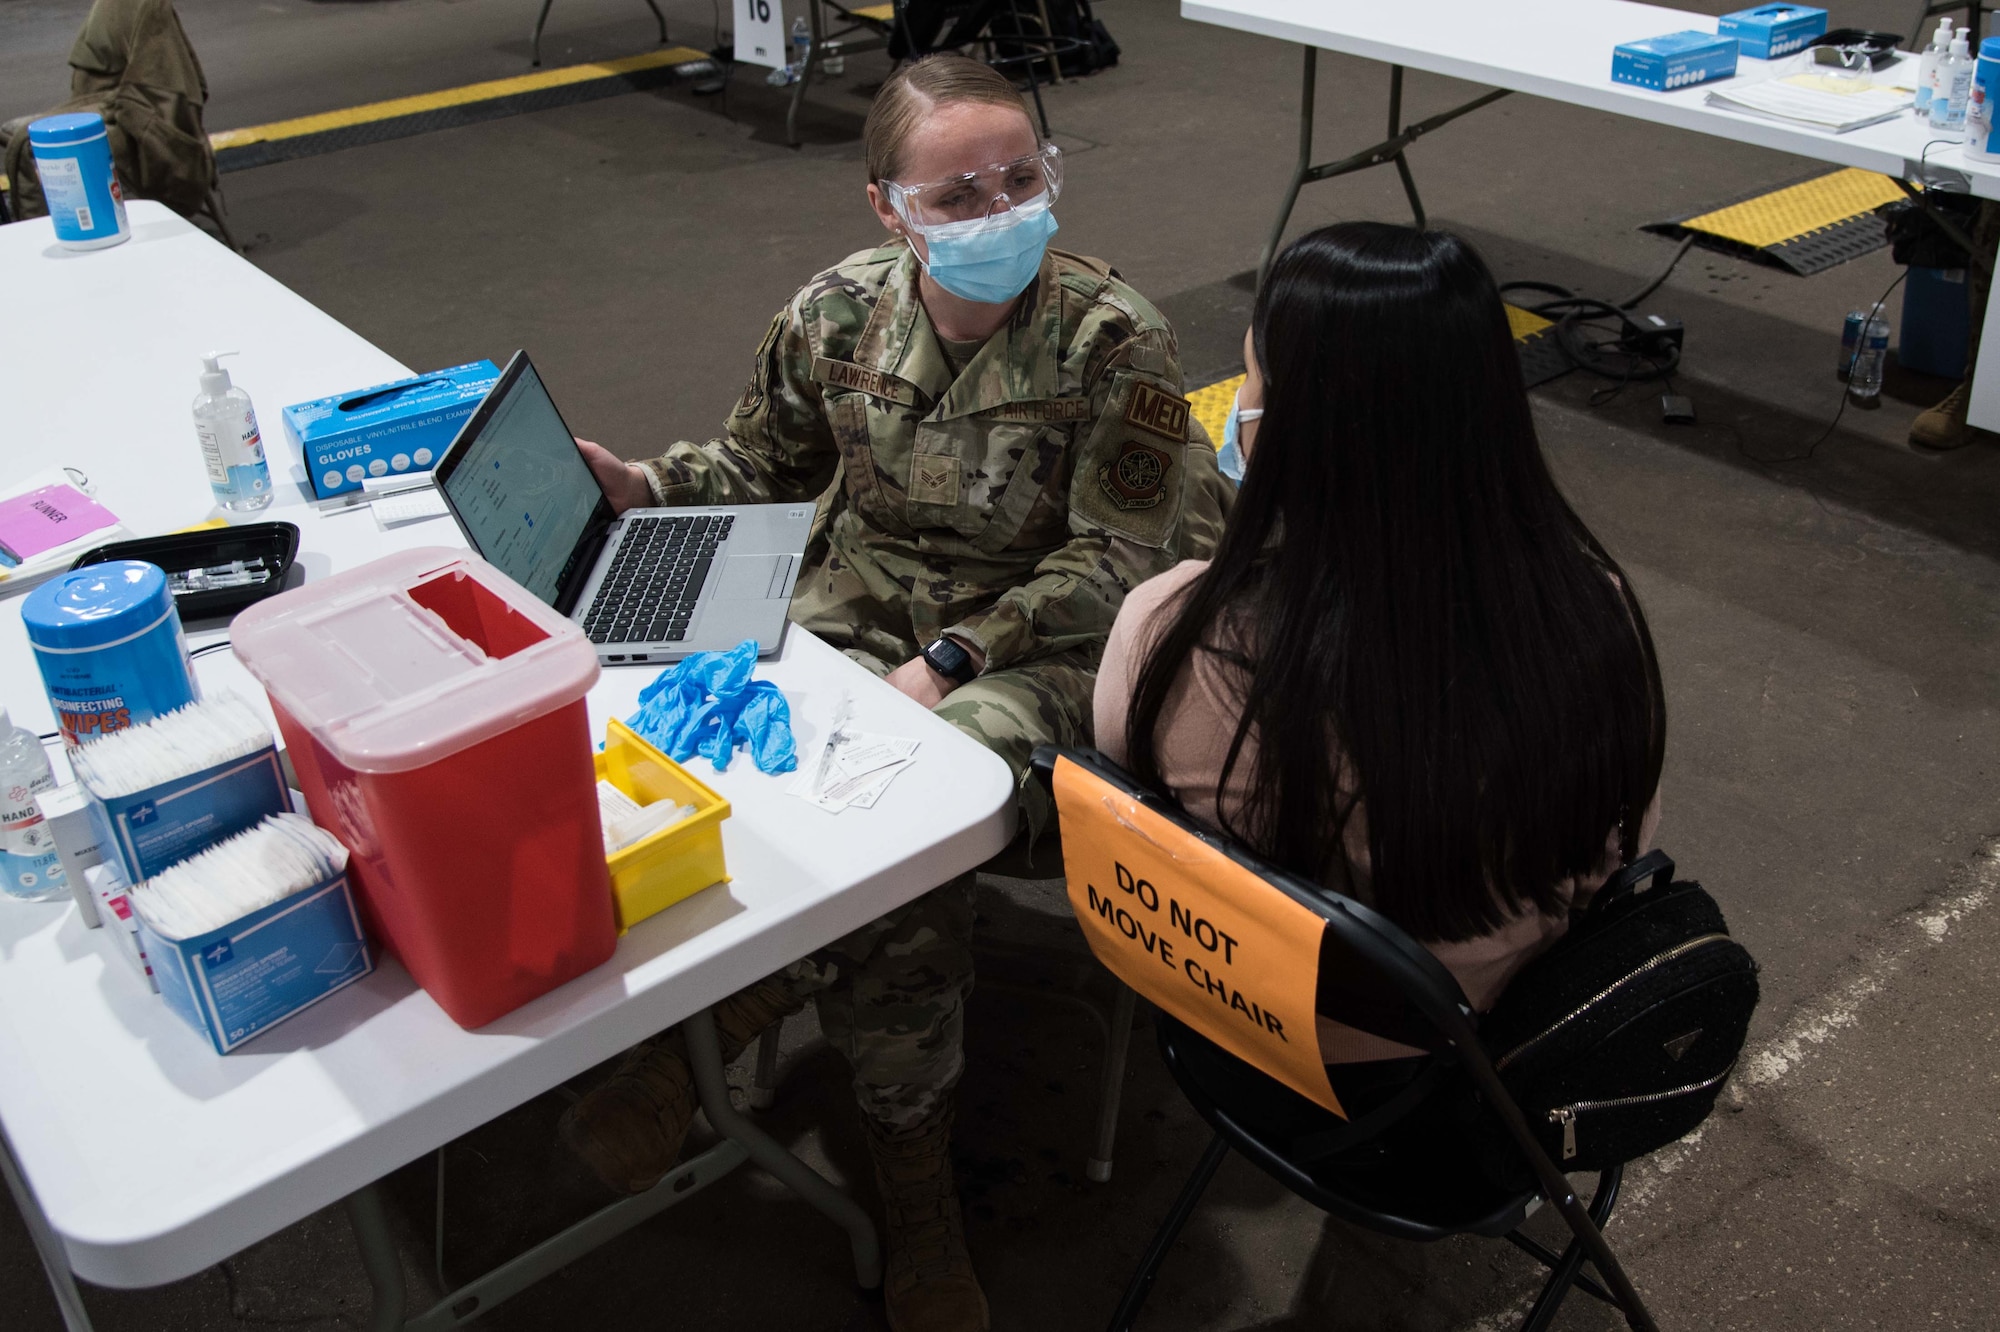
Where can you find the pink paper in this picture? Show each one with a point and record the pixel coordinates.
(43, 519)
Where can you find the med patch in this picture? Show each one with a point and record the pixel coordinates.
(1164, 414)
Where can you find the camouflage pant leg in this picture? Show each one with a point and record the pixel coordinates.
(1012, 711)
(891, 998)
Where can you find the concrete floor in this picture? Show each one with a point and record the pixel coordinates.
(1827, 628)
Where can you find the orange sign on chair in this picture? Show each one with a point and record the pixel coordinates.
(1196, 933)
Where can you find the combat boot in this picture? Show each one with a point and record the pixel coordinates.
(1944, 426)
(928, 1284)
(629, 1131)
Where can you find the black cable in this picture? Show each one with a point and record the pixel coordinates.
(1623, 359)
(207, 648)
(1687, 243)
(1860, 344)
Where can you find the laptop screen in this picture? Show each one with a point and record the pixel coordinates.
(521, 490)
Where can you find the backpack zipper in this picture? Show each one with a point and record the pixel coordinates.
(1565, 1115)
(1661, 959)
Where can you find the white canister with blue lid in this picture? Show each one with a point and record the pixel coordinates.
(108, 640)
(1982, 135)
(73, 160)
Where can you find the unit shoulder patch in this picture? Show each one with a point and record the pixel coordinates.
(1137, 477)
(1156, 410)
(876, 383)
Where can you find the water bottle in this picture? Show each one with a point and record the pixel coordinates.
(801, 45)
(1865, 382)
(30, 870)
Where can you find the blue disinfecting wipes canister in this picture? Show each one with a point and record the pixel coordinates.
(109, 643)
(73, 159)
(1982, 137)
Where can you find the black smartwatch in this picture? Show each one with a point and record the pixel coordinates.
(949, 659)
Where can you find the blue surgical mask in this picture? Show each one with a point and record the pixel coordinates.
(1230, 457)
(991, 259)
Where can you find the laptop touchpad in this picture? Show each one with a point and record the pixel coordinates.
(753, 577)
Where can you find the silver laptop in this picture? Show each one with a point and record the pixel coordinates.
(647, 584)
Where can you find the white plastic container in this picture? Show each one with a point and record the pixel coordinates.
(1982, 143)
(231, 445)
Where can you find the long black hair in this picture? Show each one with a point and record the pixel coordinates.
(1417, 621)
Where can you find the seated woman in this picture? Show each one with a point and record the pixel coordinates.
(1409, 672)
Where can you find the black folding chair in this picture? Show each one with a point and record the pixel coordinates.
(1397, 1167)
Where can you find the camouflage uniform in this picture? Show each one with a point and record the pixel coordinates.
(1012, 503)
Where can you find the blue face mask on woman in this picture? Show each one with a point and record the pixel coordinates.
(1230, 457)
(991, 259)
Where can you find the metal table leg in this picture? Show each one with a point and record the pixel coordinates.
(1389, 150)
(370, 1221)
(705, 1059)
(55, 1259)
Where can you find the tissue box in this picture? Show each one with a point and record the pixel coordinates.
(1674, 61)
(399, 427)
(149, 830)
(229, 984)
(1770, 31)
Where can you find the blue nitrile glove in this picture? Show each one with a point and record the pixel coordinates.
(708, 703)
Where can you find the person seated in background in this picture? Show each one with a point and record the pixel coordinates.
(1409, 672)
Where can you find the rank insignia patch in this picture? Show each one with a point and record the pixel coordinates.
(1137, 477)
(933, 479)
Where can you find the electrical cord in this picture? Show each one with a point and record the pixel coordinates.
(1632, 353)
(1839, 411)
(1687, 243)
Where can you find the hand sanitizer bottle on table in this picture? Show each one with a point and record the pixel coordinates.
(1934, 55)
(231, 445)
(30, 869)
(1954, 87)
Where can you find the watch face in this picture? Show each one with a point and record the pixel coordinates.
(948, 658)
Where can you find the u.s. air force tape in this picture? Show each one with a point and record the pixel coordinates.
(876, 383)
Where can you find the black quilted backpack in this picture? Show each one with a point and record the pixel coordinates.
(1617, 1040)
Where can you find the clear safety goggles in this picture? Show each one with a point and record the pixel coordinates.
(979, 194)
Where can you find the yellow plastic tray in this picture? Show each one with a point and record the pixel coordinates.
(652, 874)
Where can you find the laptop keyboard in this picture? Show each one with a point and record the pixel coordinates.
(648, 593)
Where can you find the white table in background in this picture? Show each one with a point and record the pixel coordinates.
(99, 353)
(1561, 50)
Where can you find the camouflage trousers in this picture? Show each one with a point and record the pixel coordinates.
(891, 995)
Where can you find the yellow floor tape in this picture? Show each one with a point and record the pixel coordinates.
(1798, 210)
(1210, 405)
(491, 90)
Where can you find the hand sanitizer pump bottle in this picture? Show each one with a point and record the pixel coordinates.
(1934, 55)
(226, 424)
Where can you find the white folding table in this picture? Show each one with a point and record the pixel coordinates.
(150, 1156)
(1561, 50)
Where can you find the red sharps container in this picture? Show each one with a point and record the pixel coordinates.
(434, 712)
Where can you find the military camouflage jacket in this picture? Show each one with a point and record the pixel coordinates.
(1014, 503)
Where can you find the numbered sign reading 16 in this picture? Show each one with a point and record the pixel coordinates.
(760, 33)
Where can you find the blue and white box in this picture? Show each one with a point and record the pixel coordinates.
(385, 430)
(232, 983)
(149, 830)
(1677, 60)
(1770, 31)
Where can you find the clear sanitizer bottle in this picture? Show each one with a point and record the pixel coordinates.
(1927, 76)
(226, 424)
(1954, 87)
(30, 870)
